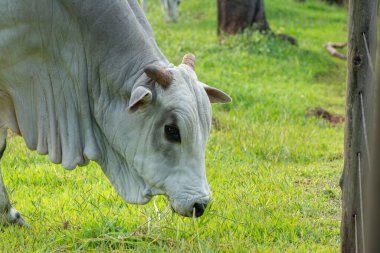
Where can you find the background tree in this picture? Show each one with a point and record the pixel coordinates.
(339, 2)
(237, 15)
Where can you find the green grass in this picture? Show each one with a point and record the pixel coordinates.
(273, 171)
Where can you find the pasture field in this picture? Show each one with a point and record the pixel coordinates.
(273, 170)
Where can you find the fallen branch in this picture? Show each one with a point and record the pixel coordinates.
(287, 38)
(333, 119)
(331, 48)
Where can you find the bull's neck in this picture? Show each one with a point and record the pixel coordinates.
(121, 40)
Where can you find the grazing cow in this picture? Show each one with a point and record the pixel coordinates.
(170, 9)
(85, 80)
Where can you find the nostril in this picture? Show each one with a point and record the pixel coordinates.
(199, 209)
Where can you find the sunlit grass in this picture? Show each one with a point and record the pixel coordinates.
(273, 171)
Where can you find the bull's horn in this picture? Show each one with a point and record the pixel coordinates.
(189, 60)
(158, 74)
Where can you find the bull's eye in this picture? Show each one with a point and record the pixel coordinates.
(172, 133)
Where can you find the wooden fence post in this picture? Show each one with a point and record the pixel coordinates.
(373, 217)
(361, 45)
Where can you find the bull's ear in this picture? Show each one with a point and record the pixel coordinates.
(140, 96)
(215, 95)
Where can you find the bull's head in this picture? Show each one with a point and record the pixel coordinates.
(162, 136)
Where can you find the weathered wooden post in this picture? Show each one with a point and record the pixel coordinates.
(359, 111)
(373, 217)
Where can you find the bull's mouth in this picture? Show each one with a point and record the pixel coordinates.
(198, 211)
(186, 208)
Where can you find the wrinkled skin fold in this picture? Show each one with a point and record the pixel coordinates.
(74, 85)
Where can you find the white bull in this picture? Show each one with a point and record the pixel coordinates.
(169, 7)
(85, 80)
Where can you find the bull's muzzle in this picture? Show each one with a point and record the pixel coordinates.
(187, 208)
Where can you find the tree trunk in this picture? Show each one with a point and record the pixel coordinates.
(236, 15)
(339, 2)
